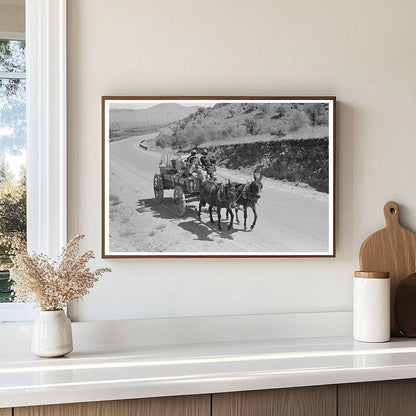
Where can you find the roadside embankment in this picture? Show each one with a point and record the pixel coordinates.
(303, 160)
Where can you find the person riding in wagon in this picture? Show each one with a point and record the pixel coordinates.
(192, 163)
(208, 163)
(192, 158)
(204, 159)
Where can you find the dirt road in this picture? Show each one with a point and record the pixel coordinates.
(291, 219)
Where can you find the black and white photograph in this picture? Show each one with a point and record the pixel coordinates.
(218, 176)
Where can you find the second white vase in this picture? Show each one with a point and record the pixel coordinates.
(52, 334)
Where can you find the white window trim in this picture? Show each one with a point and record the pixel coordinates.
(12, 35)
(46, 134)
(46, 125)
(13, 75)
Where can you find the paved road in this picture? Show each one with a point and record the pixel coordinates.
(290, 219)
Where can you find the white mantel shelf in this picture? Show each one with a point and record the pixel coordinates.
(152, 371)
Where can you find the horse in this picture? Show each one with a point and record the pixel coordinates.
(248, 195)
(220, 196)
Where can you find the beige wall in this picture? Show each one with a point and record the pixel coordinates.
(12, 18)
(361, 51)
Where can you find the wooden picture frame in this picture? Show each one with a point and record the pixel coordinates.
(276, 153)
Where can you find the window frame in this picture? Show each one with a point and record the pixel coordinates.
(46, 135)
(14, 312)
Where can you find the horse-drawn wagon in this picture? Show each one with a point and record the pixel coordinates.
(191, 183)
(175, 174)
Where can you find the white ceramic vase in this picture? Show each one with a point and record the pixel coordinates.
(52, 334)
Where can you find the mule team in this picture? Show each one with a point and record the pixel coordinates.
(231, 195)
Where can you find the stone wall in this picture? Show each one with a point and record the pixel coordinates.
(297, 161)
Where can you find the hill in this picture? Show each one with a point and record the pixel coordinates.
(242, 122)
(123, 120)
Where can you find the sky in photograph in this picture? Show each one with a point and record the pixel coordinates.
(141, 105)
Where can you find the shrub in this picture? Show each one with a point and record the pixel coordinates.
(322, 119)
(264, 108)
(198, 138)
(213, 134)
(297, 120)
(318, 114)
(251, 125)
(277, 131)
(248, 108)
(226, 131)
(159, 142)
(280, 111)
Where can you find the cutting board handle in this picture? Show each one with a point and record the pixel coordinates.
(391, 214)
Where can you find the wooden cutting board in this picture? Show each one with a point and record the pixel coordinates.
(393, 250)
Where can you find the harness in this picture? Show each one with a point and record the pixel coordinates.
(245, 189)
(246, 194)
(243, 193)
(221, 193)
(212, 189)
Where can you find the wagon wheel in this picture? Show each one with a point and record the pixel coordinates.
(158, 187)
(179, 198)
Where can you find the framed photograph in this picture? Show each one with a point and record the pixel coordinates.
(218, 176)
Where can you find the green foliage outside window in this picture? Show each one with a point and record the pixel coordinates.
(12, 223)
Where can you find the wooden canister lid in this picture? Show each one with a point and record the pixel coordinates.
(372, 275)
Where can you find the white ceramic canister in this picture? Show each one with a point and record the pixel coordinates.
(371, 313)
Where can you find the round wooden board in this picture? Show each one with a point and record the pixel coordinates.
(405, 306)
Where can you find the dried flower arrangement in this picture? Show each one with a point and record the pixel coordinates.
(53, 285)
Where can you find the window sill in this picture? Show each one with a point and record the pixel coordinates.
(16, 313)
